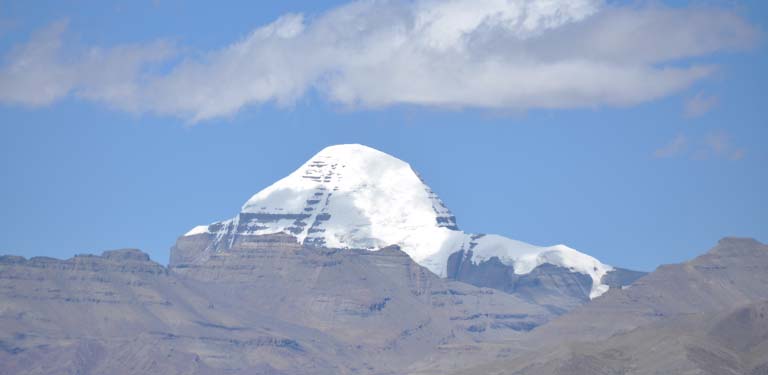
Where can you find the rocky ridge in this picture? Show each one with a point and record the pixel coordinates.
(267, 305)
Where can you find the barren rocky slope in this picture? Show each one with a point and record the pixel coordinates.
(267, 305)
(705, 316)
(271, 305)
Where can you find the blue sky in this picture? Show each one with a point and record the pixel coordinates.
(631, 173)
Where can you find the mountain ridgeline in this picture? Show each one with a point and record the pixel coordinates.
(353, 265)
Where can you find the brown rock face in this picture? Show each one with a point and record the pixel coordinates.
(266, 305)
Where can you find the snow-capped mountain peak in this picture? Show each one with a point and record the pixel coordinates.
(354, 196)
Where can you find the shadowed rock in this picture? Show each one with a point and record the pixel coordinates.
(705, 316)
(558, 288)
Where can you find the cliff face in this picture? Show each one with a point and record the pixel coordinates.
(267, 305)
(555, 287)
(271, 305)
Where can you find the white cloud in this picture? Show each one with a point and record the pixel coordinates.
(41, 71)
(700, 104)
(510, 54)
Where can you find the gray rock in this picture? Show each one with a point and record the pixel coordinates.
(621, 278)
(705, 316)
(270, 305)
(266, 305)
(557, 288)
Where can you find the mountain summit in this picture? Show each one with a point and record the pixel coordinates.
(353, 196)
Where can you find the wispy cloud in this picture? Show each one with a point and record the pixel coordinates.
(719, 144)
(712, 145)
(673, 148)
(508, 54)
(700, 104)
